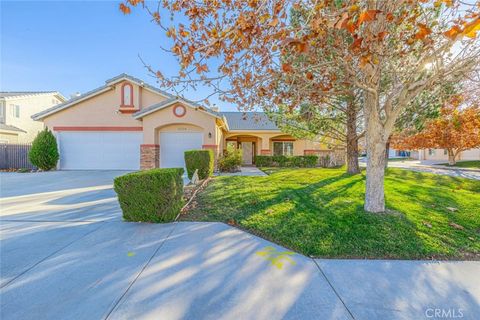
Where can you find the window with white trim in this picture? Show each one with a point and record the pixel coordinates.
(282, 148)
(2, 112)
(15, 110)
(127, 95)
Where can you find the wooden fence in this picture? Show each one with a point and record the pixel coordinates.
(15, 156)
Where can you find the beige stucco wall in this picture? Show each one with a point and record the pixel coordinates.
(103, 109)
(29, 105)
(9, 138)
(193, 120)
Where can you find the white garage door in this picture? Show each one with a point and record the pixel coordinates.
(100, 150)
(174, 144)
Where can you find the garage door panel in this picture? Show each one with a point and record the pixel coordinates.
(174, 144)
(100, 150)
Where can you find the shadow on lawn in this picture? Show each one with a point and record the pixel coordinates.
(326, 217)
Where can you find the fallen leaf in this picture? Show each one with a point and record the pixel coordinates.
(426, 224)
(451, 209)
(130, 254)
(456, 226)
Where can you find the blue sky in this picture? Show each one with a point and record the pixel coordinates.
(73, 46)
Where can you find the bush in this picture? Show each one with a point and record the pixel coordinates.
(154, 195)
(202, 160)
(230, 161)
(44, 152)
(286, 161)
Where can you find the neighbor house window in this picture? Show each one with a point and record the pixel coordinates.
(445, 152)
(2, 112)
(431, 152)
(15, 110)
(127, 95)
(282, 148)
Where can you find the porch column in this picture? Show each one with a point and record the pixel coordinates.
(149, 156)
(265, 149)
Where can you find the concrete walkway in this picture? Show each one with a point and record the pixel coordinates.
(66, 254)
(246, 171)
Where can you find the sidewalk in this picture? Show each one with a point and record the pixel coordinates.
(427, 164)
(193, 270)
(431, 167)
(245, 171)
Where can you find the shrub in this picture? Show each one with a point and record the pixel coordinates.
(44, 152)
(230, 160)
(154, 195)
(286, 161)
(202, 160)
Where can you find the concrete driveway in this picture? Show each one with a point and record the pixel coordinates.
(66, 254)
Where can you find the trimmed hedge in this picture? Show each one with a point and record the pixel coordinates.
(203, 160)
(286, 161)
(154, 195)
(230, 161)
(44, 152)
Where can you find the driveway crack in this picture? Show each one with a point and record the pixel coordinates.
(333, 288)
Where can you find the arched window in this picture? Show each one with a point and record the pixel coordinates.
(127, 95)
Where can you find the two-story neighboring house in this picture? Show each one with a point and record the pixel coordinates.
(16, 110)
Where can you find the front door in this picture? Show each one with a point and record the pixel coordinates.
(247, 153)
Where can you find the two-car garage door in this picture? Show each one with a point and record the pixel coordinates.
(98, 150)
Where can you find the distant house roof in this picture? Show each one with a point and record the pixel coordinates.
(6, 127)
(249, 121)
(94, 92)
(17, 94)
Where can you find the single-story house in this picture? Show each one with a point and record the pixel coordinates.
(442, 154)
(129, 124)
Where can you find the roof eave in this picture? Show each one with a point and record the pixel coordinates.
(255, 130)
(59, 107)
(141, 114)
(139, 82)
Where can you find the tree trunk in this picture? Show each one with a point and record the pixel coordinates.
(387, 151)
(352, 140)
(451, 157)
(376, 145)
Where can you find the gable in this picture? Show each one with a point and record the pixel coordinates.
(103, 108)
(137, 84)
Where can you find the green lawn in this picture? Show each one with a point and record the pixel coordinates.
(400, 159)
(319, 212)
(465, 164)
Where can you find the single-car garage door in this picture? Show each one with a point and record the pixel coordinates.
(174, 144)
(97, 150)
